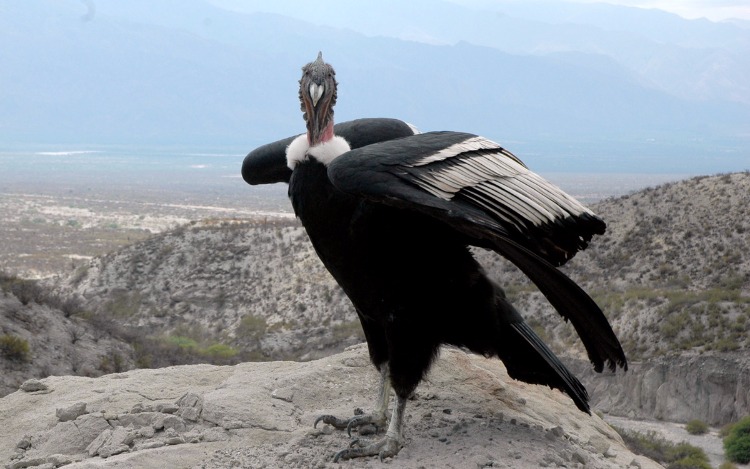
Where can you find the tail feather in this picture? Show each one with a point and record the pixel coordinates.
(572, 303)
(533, 362)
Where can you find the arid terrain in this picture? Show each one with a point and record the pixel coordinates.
(47, 235)
(50, 227)
(133, 284)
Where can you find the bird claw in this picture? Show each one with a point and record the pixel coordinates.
(333, 421)
(365, 424)
(385, 448)
(361, 421)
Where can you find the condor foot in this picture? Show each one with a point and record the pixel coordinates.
(384, 448)
(365, 424)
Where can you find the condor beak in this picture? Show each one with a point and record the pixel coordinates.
(316, 92)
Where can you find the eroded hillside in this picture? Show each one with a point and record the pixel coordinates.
(42, 334)
(672, 273)
(251, 288)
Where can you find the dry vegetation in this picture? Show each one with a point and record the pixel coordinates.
(43, 334)
(255, 288)
(672, 274)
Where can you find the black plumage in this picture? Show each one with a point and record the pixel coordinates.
(267, 164)
(392, 214)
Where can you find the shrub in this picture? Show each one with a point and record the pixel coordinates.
(737, 443)
(14, 348)
(651, 444)
(161, 351)
(182, 342)
(69, 306)
(27, 291)
(112, 363)
(696, 427)
(685, 456)
(727, 465)
(122, 304)
(654, 446)
(726, 344)
(726, 429)
(79, 275)
(347, 329)
(219, 352)
(251, 327)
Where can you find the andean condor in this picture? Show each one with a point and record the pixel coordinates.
(392, 213)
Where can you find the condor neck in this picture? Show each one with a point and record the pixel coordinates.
(326, 135)
(328, 148)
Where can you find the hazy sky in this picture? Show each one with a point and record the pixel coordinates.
(715, 10)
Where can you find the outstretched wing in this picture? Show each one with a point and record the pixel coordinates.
(489, 195)
(479, 180)
(267, 164)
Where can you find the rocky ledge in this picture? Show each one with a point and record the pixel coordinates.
(467, 413)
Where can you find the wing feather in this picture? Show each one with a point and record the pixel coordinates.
(488, 194)
(501, 212)
(454, 166)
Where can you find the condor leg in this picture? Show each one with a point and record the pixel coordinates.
(377, 418)
(388, 446)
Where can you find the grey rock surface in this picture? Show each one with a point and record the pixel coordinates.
(468, 411)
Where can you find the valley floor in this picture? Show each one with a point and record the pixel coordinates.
(46, 235)
(54, 228)
(710, 442)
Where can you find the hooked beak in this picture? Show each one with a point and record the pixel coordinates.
(316, 92)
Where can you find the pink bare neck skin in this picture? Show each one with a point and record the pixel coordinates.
(326, 136)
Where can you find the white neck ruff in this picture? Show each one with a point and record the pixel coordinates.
(300, 150)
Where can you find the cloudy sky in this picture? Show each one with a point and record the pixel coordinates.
(715, 10)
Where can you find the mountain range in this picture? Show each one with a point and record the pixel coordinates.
(569, 86)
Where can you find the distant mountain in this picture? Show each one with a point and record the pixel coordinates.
(686, 58)
(574, 95)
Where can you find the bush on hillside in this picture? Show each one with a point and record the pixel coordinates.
(14, 348)
(686, 456)
(696, 427)
(656, 447)
(726, 430)
(737, 443)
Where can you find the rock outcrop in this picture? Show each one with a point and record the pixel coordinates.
(467, 413)
(714, 388)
